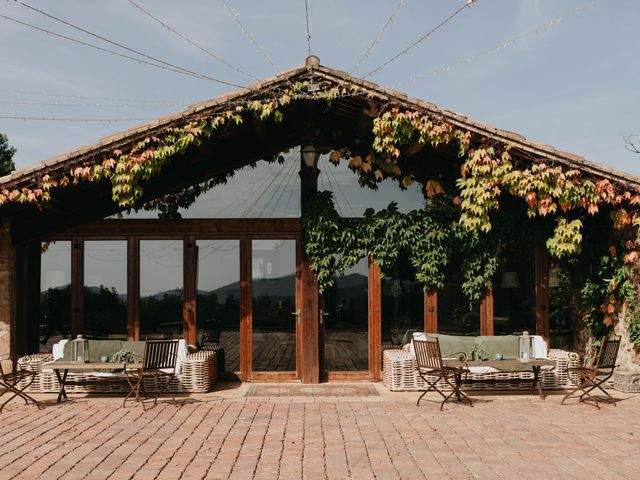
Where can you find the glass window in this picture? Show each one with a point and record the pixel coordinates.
(402, 303)
(514, 291)
(346, 323)
(161, 289)
(560, 307)
(455, 315)
(274, 301)
(105, 289)
(218, 298)
(265, 190)
(55, 292)
(352, 200)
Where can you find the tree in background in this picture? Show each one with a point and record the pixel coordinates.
(6, 156)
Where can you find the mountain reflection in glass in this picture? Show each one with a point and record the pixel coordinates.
(218, 299)
(55, 293)
(161, 289)
(273, 276)
(105, 289)
(346, 332)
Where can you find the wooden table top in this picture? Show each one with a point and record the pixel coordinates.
(58, 365)
(509, 363)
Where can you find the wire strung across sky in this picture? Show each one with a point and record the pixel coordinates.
(507, 43)
(153, 61)
(422, 38)
(73, 120)
(191, 42)
(106, 99)
(306, 18)
(90, 105)
(248, 34)
(375, 41)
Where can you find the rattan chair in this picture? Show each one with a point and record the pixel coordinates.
(593, 375)
(432, 370)
(158, 362)
(16, 381)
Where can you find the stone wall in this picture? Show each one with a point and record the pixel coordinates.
(7, 291)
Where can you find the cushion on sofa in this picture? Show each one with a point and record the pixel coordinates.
(507, 345)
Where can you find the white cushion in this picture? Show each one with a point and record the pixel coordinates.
(539, 346)
(483, 370)
(58, 349)
(420, 336)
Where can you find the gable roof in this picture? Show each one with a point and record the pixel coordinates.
(312, 70)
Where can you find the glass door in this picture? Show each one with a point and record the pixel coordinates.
(273, 326)
(345, 318)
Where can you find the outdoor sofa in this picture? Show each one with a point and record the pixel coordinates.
(400, 372)
(195, 372)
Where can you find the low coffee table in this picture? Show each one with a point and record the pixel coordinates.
(535, 365)
(88, 367)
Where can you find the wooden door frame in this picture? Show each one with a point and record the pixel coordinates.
(249, 374)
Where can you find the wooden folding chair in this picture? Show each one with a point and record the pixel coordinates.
(592, 376)
(158, 362)
(16, 381)
(430, 365)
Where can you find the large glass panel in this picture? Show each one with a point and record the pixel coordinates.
(346, 332)
(402, 303)
(218, 298)
(274, 300)
(352, 200)
(514, 291)
(55, 293)
(455, 315)
(263, 190)
(105, 289)
(161, 289)
(560, 308)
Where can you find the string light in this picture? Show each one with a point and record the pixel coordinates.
(506, 44)
(306, 17)
(389, 21)
(422, 38)
(248, 34)
(91, 105)
(191, 42)
(80, 120)
(171, 68)
(108, 99)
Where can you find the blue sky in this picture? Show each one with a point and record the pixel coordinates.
(570, 81)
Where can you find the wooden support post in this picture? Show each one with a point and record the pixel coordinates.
(375, 320)
(190, 256)
(246, 303)
(310, 368)
(77, 286)
(431, 311)
(133, 289)
(542, 293)
(486, 313)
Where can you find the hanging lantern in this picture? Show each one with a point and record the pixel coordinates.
(526, 349)
(80, 349)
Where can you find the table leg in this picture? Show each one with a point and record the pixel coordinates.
(61, 380)
(537, 383)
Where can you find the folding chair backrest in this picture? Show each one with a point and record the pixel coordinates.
(428, 353)
(160, 354)
(608, 353)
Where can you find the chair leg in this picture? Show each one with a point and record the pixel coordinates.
(431, 387)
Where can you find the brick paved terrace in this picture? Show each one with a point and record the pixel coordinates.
(320, 432)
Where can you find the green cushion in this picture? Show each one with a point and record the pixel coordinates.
(136, 347)
(99, 348)
(507, 345)
(451, 345)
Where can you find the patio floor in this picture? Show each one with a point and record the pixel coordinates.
(225, 434)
